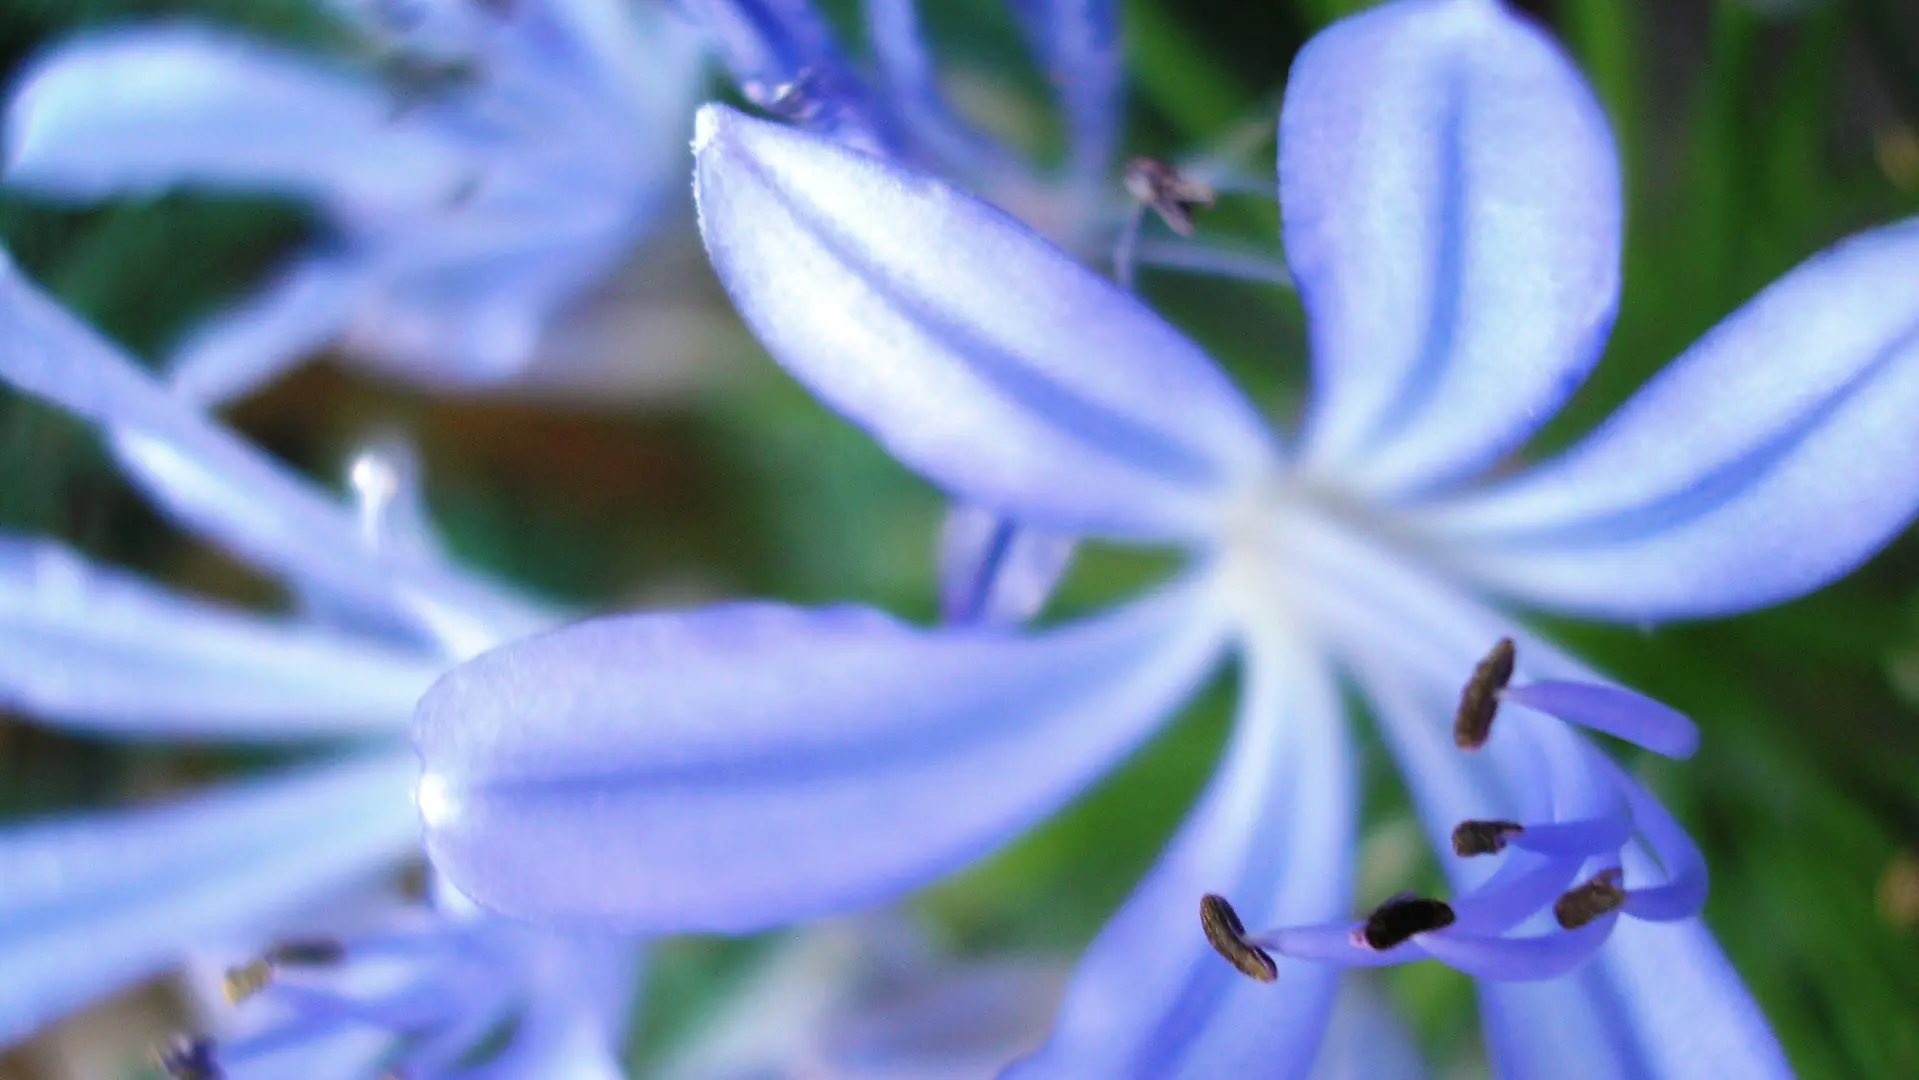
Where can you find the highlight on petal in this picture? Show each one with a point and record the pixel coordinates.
(656, 772)
(93, 649)
(1274, 833)
(1766, 461)
(981, 356)
(1452, 217)
(135, 111)
(218, 485)
(93, 903)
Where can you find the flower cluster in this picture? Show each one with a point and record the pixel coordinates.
(1451, 210)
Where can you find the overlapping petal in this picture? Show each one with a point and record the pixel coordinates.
(138, 111)
(294, 316)
(1763, 463)
(1275, 834)
(981, 356)
(219, 485)
(93, 903)
(993, 570)
(1079, 44)
(1452, 218)
(87, 647)
(660, 772)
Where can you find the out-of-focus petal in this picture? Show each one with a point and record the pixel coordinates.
(93, 649)
(785, 58)
(1452, 218)
(1366, 1040)
(1689, 1015)
(657, 772)
(1274, 835)
(1079, 44)
(914, 85)
(294, 316)
(996, 571)
(141, 110)
(96, 902)
(980, 355)
(218, 485)
(1771, 458)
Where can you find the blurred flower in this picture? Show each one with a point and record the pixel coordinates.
(1452, 215)
(493, 165)
(95, 902)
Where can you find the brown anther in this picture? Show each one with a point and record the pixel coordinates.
(1227, 935)
(1479, 701)
(246, 980)
(1472, 838)
(189, 1057)
(1601, 895)
(1398, 919)
(1166, 192)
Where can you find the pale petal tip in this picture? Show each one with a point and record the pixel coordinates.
(707, 124)
(435, 798)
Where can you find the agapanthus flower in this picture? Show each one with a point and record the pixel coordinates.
(1451, 213)
(479, 172)
(98, 901)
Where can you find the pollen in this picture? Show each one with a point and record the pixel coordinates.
(1602, 895)
(1227, 935)
(1397, 920)
(1479, 701)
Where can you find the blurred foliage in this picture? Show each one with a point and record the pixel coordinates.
(1754, 134)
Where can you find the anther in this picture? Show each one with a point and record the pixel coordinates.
(1479, 701)
(1398, 919)
(1472, 838)
(189, 1057)
(1601, 895)
(250, 978)
(798, 99)
(1227, 935)
(1164, 190)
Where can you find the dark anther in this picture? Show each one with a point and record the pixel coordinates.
(246, 980)
(1228, 937)
(1480, 700)
(190, 1057)
(1398, 919)
(1162, 189)
(307, 952)
(1483, 837)
(1599, 896)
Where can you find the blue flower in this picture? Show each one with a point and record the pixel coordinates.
(95, 902)
(1451, 212)
(501, 161)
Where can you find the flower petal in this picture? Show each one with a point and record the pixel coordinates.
(1275, 835)
(1689, 1015)
(93, 649)
(995, 571)
(292, 318)
(1079, 43)
(981, 356)
(785, 58)
(1366, 1040)
(218, 485)
(140, 110)
(1771, 458)
(93, 903)
(749, 765)
(1452, 217)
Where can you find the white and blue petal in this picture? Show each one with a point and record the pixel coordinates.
(93, 903)
(1452, 217)
(141, 110)
(659, 772)
(88, 648)
(1274, 834)
(978, 354)
(1769, 459)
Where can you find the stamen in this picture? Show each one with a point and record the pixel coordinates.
(1599, 896)
(1479, 701)
(250, 978)
(797, 100)
(1399, 919)
(1472, 838)
(189, 1057)
(1168, 193)
(1227, 935)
